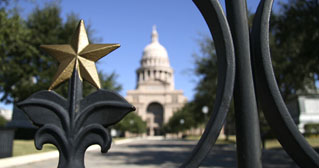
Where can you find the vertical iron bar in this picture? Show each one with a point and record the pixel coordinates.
(75, 96)
(247, 123)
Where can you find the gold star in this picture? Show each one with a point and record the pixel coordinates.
(80, 55)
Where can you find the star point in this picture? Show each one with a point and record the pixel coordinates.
(79, 55)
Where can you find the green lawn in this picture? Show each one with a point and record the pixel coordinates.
(231, 139)
(312, 140)
(271, 143)
(24, 147)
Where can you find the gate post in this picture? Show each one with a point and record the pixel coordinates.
(246, 114)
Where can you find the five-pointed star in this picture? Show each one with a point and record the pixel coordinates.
(79, 55)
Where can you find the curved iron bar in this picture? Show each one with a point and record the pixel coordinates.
(89, 135)
(45, 107)
(97, 133)
(52, 134)
(269, 95)
(217, 23)
(88, 115)
(113, 112)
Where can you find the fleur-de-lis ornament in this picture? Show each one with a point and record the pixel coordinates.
(74, 124)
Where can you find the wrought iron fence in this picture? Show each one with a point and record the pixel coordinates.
(244, 64)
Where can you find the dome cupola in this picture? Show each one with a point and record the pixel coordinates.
(155, 54)
(155, 72)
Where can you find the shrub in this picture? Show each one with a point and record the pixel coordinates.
(132, 123)
(3, 121)
(312, 128)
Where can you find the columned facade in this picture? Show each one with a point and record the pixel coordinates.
(155, 97)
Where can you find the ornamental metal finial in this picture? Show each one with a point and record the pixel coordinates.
(75, 123)
(79, 54)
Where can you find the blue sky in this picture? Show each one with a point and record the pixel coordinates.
(179, 24)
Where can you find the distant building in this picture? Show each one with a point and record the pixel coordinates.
(155, 97)
(7, 114)
(22, 125)
(304, 108)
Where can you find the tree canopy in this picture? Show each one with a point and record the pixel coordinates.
(24, 68)
(294, 46)
(293, 41)
(132, 123)
(181, 120)
(205, 69)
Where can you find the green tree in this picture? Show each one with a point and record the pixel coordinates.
(12, 34)
(181, 120)
(206, 71)
(132, 123)
(24, 68)
(3, 121)
(191, 115)
(293, 39)
(294, 46)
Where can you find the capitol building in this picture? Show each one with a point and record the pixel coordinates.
(155, 97)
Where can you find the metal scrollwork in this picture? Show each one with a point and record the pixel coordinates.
(230, 45)
(216, 20)
(72, 135)
(74, 124)
(273, 106)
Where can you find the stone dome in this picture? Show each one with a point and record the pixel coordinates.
(155, 54)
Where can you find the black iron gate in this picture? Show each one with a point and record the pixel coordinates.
(244, 64)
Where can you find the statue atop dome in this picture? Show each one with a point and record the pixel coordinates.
(154, 34)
